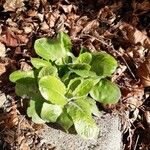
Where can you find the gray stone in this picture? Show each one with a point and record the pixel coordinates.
(110, 136)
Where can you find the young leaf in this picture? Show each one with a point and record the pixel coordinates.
(103, 64)
(53, 49)
(73, 84)
(88, 105)
(27, 87)
(53, 90)
(106, 92)
(83, 88)
(31, 111)
(94, 109)
(39, 63)
(65, 120)
(84, 123)
(65, 40)
(84, 58)
(79, 66)
(16, 75)
(50, 112)
(84, 104)
(69, 76)
(85, 73)
(46, 71)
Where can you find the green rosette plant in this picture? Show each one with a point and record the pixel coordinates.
(63, 88)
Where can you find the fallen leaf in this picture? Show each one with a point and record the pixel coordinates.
(141, 5)
(2, 50)
(52, 17)
(134, 36)
(13, 5)
(2, 99)
(11, 39)
(67, 8)
(2, 68)
(106, 15)
(90, 25)
(144, 73)
(44, 26)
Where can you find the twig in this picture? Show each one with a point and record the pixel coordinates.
(136, 142)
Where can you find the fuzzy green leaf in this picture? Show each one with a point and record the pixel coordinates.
(16, 75)
(65, 120)
(65, 40)
(88, 105)
(53, 90)
(83, 122)
(73, 84)
(46, 71)
(83, 88)
(103, 64)
(84, 58)
(53, 49)
(85, 73)
(39, 63)
(50, 112)
(32, 111)
(79, 66)
(27, 87)
(93, 107)
(106, 92)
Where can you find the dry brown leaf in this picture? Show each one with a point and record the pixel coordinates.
(137, 53)
(144, 73)
(52, 17)
(134, 36)
(22, 142)
(2, 68)
(144, 5)
(90, 26)
(9, 38)
(106, 15)
(2, 99)
(2, 50)
(67, 8)
(44, 26)
(13, 5)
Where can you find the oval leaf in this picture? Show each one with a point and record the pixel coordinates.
(46, 71)
(85, 73)
(50, 112)
(84, 58)
(84, 123)
(65, 40)
(53, 90)
(38, 63)
(79, 67)
(103, 64)
(106, 92)
(83, 88)
(27, 87)
(53, 49)
(31, 111)
(65, 120)
(16, 75)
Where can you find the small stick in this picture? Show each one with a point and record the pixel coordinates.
(136, 142)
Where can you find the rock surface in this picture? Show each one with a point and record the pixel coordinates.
(110, 136)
